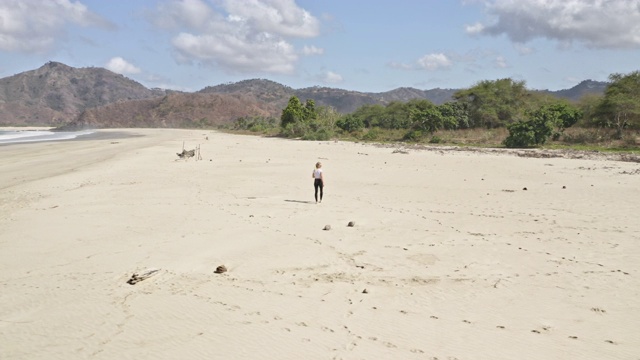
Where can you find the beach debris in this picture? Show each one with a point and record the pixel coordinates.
(327, 227)
(365, 291)
(525, 189)
(351, 224)
(221, 269)
(186, 154)
(137, 277)
(400, 151)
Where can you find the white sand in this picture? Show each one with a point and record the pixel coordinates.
(458, 261)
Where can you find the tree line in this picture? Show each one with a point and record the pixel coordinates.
(531, 118)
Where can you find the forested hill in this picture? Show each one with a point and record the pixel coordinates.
(57, 94)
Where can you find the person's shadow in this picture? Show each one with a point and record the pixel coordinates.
(300, 201)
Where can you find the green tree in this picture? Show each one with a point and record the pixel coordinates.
(350, 123)
(588, 106)
(370, 115)
(455, 115)
(310, 112)
(566, 115)
(620, 107)
(494, 103)
(293, 113)
(395, 116)
(429, 119)
(541, 124)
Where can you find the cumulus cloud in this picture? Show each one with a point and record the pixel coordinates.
(239, 36)
(476, 28)
(121, 66)
(596, 23)
(435, 62)
(431, 62)
(36, 26)
(474, 58)
(332, 78)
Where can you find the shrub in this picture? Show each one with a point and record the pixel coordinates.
(413, 135)
(372, 134)
(350, 123)
(521, 134)
(294, 130)
(322, 134)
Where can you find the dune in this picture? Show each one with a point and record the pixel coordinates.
(112, 248)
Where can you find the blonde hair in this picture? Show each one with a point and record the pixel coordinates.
(318, 164)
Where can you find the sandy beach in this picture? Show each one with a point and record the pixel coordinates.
(453, 254)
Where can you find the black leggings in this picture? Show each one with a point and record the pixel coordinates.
(317, 184)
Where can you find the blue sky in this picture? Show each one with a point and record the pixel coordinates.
(363, 45)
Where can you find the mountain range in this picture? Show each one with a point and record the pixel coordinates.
(63, 96)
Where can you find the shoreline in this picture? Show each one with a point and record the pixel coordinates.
(100, 134)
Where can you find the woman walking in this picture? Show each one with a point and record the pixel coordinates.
(318, 180)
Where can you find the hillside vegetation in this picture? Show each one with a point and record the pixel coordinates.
(59, 95)
(523, 117)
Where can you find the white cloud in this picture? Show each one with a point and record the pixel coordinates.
(121, 66)
(501, 62)
(281, 17)
(239, 36)
(434, 62)
(596, 23)
(476, 28)
(36, 26)
(262, 54)
(312, 50)
(332, 78)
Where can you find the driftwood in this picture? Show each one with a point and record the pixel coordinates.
(185, 154)
(137, 277)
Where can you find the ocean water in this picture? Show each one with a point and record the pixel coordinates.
(25, 136)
